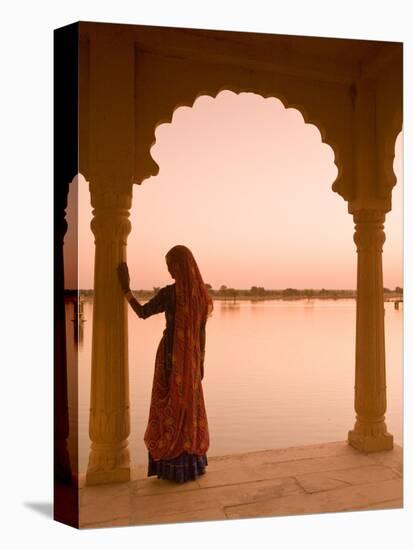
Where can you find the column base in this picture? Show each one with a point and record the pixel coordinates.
(120, 475)
(108, 463)
(370, 443)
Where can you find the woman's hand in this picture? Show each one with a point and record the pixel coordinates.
(123, 274)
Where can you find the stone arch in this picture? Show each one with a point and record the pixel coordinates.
(283, 100)
(390, 138)
(317, 106)
(389, 102)
(184, 152)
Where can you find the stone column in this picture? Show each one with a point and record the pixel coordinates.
(109, 424)
(370, 431)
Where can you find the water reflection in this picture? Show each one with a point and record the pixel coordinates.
(229, 307)
(277, 373)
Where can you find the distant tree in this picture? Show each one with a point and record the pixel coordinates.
(399, 290)
(156, 289)
(233, 293)
(223, 290)
(290, 292)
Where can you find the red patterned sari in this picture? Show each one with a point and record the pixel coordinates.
(177, 432)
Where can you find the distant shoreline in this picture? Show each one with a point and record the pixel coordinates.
(241, 295)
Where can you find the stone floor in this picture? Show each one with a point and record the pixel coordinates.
(331, 477)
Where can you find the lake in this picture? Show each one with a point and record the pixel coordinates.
(277, 374)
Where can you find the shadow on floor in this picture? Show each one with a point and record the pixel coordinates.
(43, 508)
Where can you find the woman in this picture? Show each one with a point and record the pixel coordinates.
(177, 435)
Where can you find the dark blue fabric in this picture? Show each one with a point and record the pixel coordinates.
(185, 467)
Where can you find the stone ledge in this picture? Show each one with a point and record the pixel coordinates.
(330, 477)
(336, 500)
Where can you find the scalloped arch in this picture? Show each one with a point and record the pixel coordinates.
(390, 179)
(307, 119)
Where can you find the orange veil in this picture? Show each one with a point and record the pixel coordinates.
(177, 418)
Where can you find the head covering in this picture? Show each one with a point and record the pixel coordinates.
(178, 418)
(191, 291)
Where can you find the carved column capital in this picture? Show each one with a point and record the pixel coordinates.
(369, 229)
(110, 220)
(111, 224)
(106, 196)
(369, 216)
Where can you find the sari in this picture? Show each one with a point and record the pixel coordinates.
(177, 436)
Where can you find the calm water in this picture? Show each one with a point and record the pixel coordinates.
(277, 374)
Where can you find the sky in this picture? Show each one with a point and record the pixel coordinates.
(246, 185)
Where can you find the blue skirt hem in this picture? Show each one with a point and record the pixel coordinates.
(185, 467)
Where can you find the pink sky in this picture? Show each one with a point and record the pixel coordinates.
(246, 184)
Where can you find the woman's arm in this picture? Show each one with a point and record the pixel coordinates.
(156, 305)
(124, 279)
(133, 302)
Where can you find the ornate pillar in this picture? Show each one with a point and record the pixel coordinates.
(370, 432)
(109, 424)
